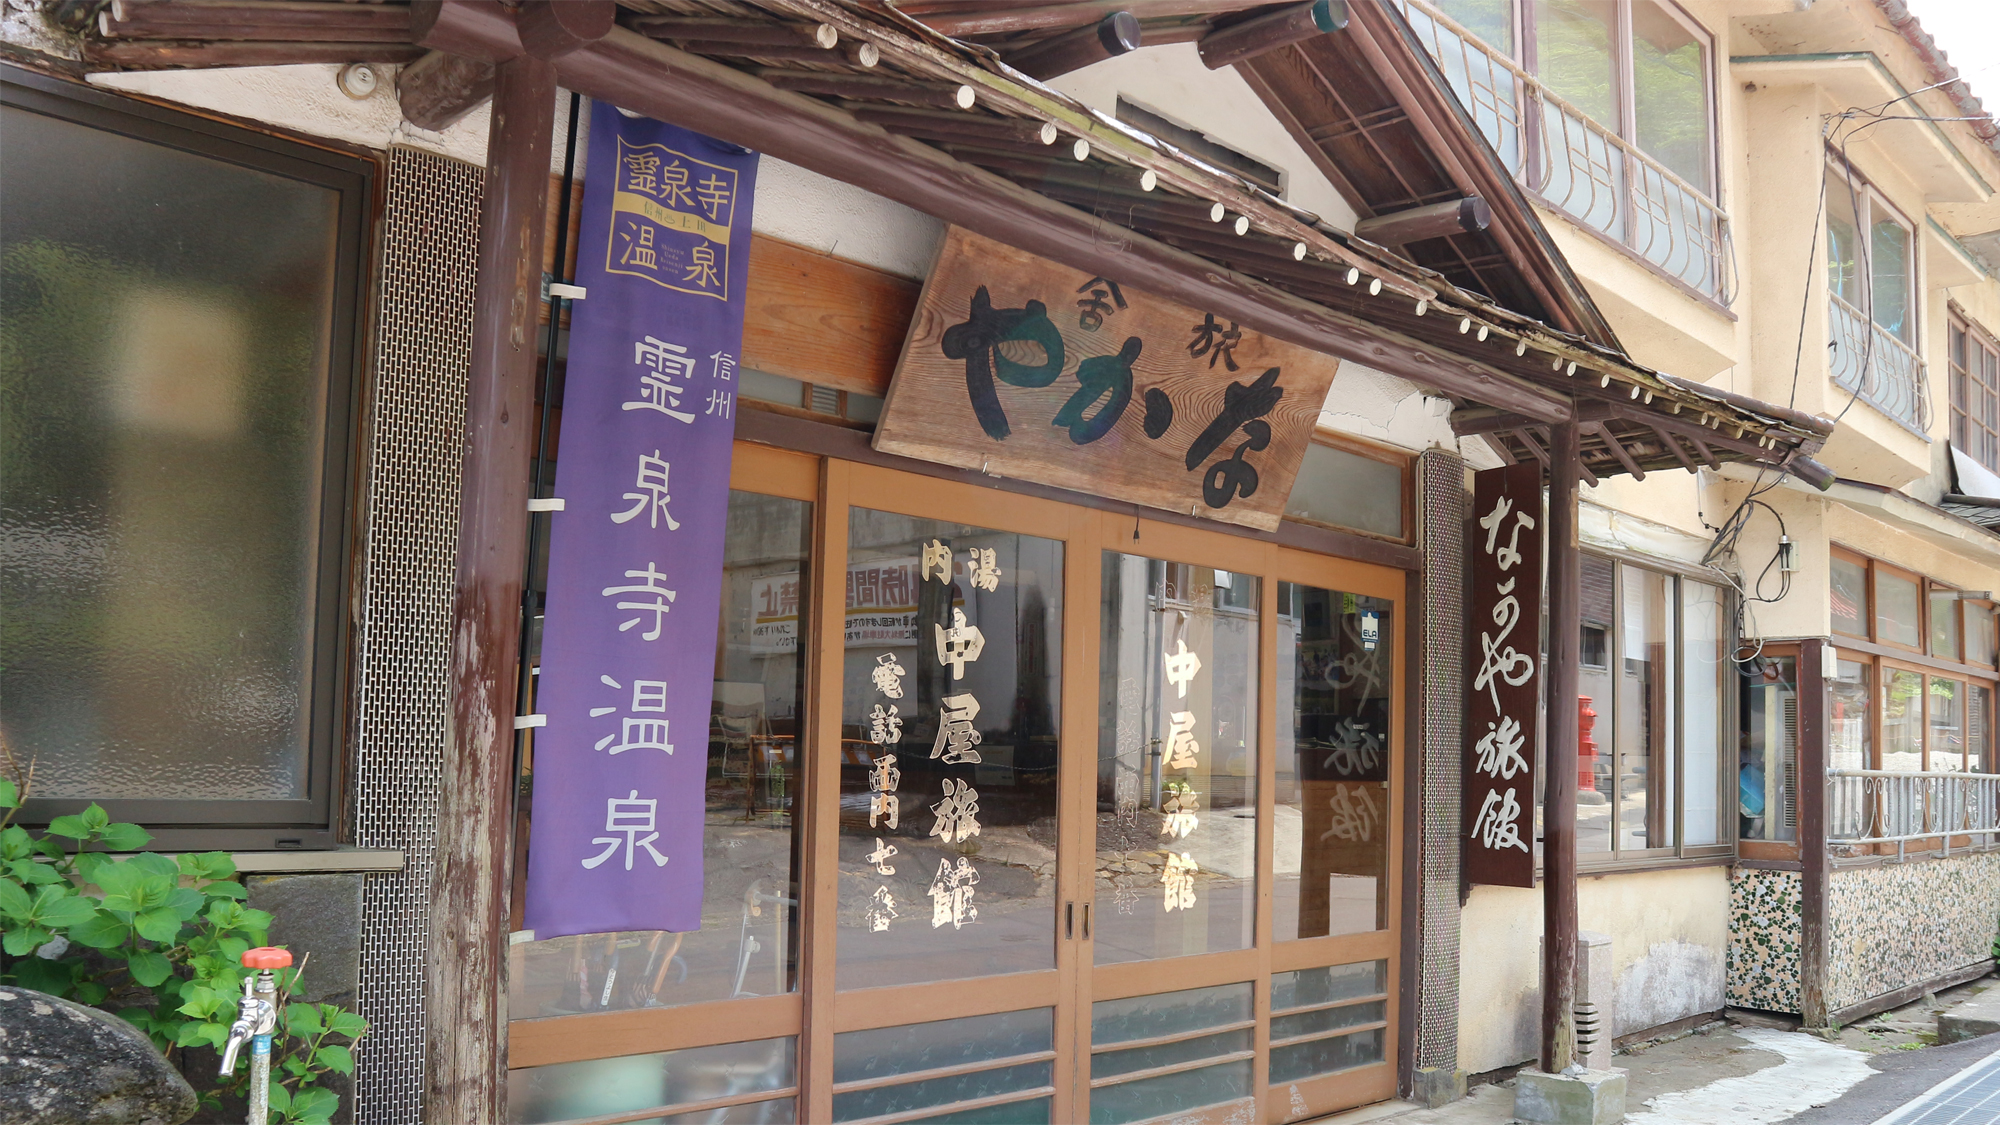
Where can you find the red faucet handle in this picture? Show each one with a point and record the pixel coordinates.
(267, 957)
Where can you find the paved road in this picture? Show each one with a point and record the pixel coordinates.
(1904, 1075)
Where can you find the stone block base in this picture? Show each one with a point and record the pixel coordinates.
(1432, 1087)
(1589, 1097)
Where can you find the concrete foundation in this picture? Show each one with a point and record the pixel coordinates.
(1432, 1086)
(1972, 1019)
(1586, 1097)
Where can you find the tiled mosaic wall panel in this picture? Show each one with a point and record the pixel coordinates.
(1764, 940)
(1901, 924)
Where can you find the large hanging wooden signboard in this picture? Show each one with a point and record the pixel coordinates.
(1020, 367)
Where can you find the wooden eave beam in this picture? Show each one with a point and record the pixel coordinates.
(649, 77)
(954, 20)
(173, 54)
(300, 20)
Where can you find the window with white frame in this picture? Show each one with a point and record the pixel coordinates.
(1975, 393)
(1605, 108)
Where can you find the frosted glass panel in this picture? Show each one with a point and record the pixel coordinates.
(665, 1079)
(1338, 487)
(1324, 1056)
(869, 1057)
(165, 326)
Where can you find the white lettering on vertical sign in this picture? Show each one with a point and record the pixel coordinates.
(652, 485)
(1503, 701)
(629, 816)
(1181, 667)
(662, 363)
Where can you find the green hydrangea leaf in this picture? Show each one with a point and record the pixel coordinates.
(149, 968)
(124, 837)
(15, 901)
(101, 931)
(335, 1057)
(158, 925)
(23, 941)
(59, 906)
(70, 828)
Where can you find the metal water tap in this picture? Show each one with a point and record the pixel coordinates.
(254, 1016)
(256, 1019)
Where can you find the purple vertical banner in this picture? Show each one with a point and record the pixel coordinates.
(635, 559)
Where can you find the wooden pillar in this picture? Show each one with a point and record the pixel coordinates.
(465, 1049)
(1814, 866)
(1565, 569)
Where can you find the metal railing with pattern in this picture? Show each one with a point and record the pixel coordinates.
(1872, 362)
(1868, 807)
(1578, 166)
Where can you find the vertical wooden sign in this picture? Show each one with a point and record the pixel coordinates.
(1504, 681)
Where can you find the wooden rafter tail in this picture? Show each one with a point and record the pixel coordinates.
(1673, 446)
(1114, 35)
(949, 125)
(822, 36)
(1498, 444)
(1528, 442)
(1707, 455)
(870, 87)
(440, 88)
(304, 21)
(1619, 451)
(156, 54)
(1260, 35)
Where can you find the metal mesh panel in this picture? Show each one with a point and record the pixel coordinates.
(415, 451)
(1441, 528)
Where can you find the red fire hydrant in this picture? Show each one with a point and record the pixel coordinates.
(1586, 746)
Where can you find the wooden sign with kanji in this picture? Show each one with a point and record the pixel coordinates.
(1019, 367)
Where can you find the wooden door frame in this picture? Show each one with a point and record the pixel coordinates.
(813, 1011)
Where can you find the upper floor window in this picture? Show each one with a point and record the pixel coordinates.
(1874, 277)
(178, 309)
(1975, 394)
(1871, 270)
(1603, 107)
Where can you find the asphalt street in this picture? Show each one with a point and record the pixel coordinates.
(1902, 1075)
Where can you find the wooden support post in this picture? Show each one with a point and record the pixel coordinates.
(1436, 220)
(1263, 34)
(1114, 35)
(1565, 569)
(466, 994)
(1814, 866)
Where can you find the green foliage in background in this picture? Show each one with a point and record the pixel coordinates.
(159, 941)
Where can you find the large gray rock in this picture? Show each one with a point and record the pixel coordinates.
(65, 1064)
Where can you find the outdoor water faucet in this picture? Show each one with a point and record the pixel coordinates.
(256, 1019)
(254, 1016)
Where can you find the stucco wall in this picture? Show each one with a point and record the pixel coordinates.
(1669, 934)
(1900, 924)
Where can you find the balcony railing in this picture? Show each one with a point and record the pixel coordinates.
(1578, 166)
(1867, 807)
(1873, 362)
